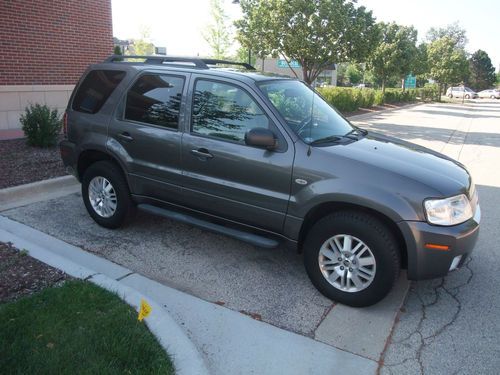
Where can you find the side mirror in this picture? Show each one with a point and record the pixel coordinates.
(261, 137)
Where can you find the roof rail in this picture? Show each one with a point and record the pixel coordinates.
(199, 63)
(227, 62)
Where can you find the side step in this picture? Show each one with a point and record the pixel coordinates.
(251, 238)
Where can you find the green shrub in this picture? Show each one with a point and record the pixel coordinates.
(341, 98)
(429, 92)
(379, 98)
(368, 96)
(41, 125)
(349, 100)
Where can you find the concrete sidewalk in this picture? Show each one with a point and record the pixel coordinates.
(229, 342)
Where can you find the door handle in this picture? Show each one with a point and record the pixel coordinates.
(202, 153)
(126, 137)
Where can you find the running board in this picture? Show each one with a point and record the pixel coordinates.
(251, 238)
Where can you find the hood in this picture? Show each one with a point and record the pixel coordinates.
(437, 171)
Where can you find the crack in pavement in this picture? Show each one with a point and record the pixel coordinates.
(437, 293)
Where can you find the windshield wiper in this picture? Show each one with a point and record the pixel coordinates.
(358, 131)
(329, 139)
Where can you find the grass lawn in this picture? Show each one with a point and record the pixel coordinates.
(77, 328)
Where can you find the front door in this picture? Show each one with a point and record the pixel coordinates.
(222, 175)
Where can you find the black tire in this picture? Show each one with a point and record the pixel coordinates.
(124, 205)
(375, 235)
(450, 96)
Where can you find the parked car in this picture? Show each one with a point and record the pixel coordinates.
(492, 94)
(461, 92)
(266, 160)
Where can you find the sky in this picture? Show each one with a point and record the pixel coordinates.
(178, 25)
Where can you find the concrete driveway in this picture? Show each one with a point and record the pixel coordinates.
(448, 325)
(452, 325)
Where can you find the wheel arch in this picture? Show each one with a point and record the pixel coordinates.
(326, 208)
(90, 156)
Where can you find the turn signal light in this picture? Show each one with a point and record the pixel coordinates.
(434, 246)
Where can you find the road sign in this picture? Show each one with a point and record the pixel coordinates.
(410, 81)
(293, 64)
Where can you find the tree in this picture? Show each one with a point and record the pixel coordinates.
(353, 74)
(143, 45)
(316, 33)
(421, 65)
(218, 34)
(396, 52)
(242, 56)
(482, 73)
(453, 31)
(117, 50)
(447, 62)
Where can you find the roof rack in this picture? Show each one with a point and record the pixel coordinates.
(199, 63)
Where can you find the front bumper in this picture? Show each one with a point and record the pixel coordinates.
(425, 263)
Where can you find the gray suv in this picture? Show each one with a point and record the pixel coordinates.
(266, 160)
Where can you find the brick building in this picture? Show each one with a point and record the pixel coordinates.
(45, 45)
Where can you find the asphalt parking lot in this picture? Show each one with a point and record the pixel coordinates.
(446, 326)
(270, 283)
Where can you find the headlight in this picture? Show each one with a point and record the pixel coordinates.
(448, 211)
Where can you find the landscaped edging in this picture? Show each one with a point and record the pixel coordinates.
(185, 356)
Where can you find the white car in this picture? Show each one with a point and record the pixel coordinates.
(461, 92)
(492, 93)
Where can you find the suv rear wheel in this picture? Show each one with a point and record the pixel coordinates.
(352, 258)
(106, 194)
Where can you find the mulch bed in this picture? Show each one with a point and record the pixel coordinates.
(21, 275)
(21, 164)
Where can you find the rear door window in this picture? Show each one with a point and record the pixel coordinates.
(95, 89)
(155, 99)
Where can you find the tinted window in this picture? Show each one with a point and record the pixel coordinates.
(96, 89)
(225, 111)
(305, 112)
(155, 99)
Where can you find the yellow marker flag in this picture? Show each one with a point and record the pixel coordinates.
(144, 310)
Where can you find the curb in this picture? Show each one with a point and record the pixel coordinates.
(184, 354)
(37, 191)
(367, 115)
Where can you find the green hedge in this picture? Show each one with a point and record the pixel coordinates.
(347, 99)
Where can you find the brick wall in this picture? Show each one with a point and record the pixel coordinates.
(51, 42)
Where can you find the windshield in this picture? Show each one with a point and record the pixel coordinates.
(305, 112)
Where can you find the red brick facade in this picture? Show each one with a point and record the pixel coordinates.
(51, 42)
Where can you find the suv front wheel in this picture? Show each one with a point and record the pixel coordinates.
(106, 194)
(351, 257)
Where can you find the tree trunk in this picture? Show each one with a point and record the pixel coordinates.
(383, 86)
(306, 75)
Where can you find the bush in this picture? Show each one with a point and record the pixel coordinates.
(340, 97)
(349, 100)
(379, 98)
(429, 92)
(41, 125)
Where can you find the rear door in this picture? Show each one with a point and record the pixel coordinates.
(224, 176)
(145, 133)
